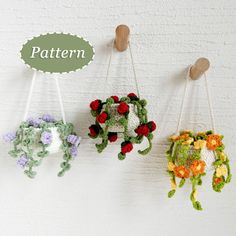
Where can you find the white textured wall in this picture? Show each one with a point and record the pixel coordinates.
(101, 195)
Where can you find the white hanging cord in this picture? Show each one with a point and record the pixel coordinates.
(135, 77)
(132, 62)
(183, 102)
(184, 98)
(109, 62)
(210, 104)
(30, 96)
(60, 100)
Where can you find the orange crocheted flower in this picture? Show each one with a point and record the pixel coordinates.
(197, 167)
(183, 136)
(218, 180)
(181, 172)
(213, 141)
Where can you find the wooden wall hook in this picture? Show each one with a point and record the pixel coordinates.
(122, 37)
(200, 66)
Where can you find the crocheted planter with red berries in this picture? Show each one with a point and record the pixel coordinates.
(191, 155)
(126, 116)
(36, 138)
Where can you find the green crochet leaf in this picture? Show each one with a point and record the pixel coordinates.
(13, 153)
(94, 113)
(147, 150)
(150, 136)
(42, 153)
(125, 99)
(61, 173)
(121, 156)
(228, 179)
(110, 122)
(123, 121)
(100, 147)
(143, 102)
(197, 205)
(182, 182)
(109, 101)
(171, 193)
(31, 174)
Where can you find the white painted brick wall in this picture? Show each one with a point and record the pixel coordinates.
(102, 196)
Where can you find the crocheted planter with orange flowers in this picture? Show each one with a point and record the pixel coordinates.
(191, 155)
(126, 116)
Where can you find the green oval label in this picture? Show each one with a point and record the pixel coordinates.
(57, 53)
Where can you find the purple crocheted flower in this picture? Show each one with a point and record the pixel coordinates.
(48, 118)
(46, 138)
(9, 137)
(22, 161)
(34, 122)
(74, 151)
(72, 139)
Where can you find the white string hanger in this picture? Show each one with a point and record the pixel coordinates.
(30, 95)
(109, 61)
(183, 101)
(121, 43)
(134, 71)
(60, 100)
(210, 103)
(203, 63)
(26, 113)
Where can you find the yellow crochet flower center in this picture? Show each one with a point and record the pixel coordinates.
(199, 144)
(188, 141)
(171, 166)
(221, 171)
(222, 156)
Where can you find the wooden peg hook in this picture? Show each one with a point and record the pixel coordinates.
(122, 37)
(200, 66)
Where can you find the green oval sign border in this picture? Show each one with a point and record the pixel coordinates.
(66, 72)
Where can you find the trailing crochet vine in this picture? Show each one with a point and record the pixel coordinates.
(113, 117)
(34, 136)
(186, 160)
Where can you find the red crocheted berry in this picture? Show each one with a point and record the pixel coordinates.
(101, 118)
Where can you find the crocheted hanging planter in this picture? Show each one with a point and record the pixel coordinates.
(35, 139)
(191, 155)
(127, 116)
